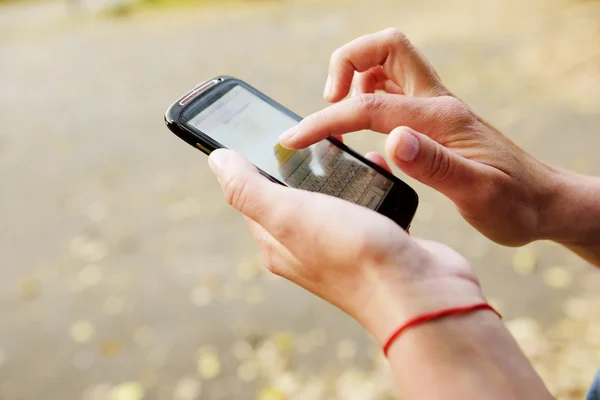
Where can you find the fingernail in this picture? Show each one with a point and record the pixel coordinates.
(408, 146)
(287, 135)
(328, 87)
(217, 161)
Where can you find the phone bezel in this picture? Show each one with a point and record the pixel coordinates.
(400, 204)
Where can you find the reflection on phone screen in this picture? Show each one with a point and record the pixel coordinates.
(244, 122)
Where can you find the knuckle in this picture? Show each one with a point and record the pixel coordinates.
(366, 101)
(269, 258)
(440, 167)
(269, 253)
(272, 268)
(338, 55)
(451, 102)
(367, 104)
(395, 36)
(453, 109)
(235, 191)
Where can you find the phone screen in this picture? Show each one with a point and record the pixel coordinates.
(244, 122)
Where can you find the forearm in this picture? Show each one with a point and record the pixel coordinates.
(472, 356)
(572, 215)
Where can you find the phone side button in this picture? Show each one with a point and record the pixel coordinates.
(204, 149)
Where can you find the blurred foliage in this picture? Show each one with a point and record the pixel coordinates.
(123, 8)
(143, 283)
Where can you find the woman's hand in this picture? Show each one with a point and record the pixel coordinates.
(433, 137)
(370, 268)
(351, 256)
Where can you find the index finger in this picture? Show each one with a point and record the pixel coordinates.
(401, 61)
(376, 112)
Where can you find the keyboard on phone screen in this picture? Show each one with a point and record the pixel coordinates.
(336, 174)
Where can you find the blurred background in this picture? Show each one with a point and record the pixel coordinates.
(124, 275)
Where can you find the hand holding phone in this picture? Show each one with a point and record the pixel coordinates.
(360, 261)
(228, 113)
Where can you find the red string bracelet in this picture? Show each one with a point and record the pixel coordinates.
(421, 319)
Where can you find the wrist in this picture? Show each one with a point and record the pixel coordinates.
(466, 355)
(392, 303)
(571, 214)
(476, 325)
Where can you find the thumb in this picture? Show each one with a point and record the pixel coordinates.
(432, 164)
(243, 186)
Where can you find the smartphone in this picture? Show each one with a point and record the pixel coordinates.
(225, 112)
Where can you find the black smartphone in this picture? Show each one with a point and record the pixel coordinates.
(225, 112)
